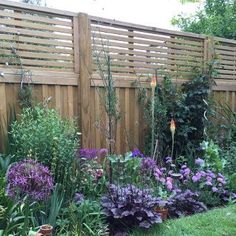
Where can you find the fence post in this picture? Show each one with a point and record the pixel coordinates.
(208, 52)
(85, 70)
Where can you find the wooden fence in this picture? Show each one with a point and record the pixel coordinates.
(56, 51)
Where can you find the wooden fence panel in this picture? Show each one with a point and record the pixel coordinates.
(225, 51)
(139, 51)
(57, 52)
(27, 37)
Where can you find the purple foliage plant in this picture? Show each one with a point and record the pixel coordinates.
(129, 206)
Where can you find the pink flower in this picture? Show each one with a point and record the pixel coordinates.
(221, 180)
(169, 183)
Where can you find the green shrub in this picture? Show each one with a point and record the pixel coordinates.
(42, 134)
(186, 104)
(211, 155)
(126, 169)
(232, 182)
(229, 155)
(92, 177)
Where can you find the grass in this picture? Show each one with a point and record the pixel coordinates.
(217, 222)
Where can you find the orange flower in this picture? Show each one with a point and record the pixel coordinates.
(153, 82)
(172, 126)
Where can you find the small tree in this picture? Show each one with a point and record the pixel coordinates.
(217, 17)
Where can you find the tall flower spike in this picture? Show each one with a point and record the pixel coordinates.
(172, 130)
(153, 82)
(172, 126)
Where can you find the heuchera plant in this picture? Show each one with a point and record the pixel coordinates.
(29, 178)
(130, 206)
(185, 203)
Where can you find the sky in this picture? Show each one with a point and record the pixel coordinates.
(157, 13)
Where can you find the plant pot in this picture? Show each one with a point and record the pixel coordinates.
(163, 212)
(46, 230)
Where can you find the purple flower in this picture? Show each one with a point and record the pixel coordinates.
(199, 162)
(148, 164)
(208, 178)
(203, 173)
(185, 172)
(98, 174)
(214, 189)
(158, 173)
(169, 183)
(211, 174)
(79, 197)
(103, 152)
(221, 176)
(88, 153)
(168, 160)
(221, 180)
(196, 177)
(29, 178)
(137, 153)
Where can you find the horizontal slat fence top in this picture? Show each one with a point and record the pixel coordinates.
(138, 50)
(35, 39)
(225, 52)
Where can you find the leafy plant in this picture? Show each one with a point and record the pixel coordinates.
(25, 96)
(4, 163)
(229, 154)
(185, 203)
(186, 105)
(211, 155)
(19, 218)
(42, 134)
(226, 121)
(92, 176)
(126, 169)
(232, 182)
(52, 207)
(129, 206)
(84, 218)
(5, 130)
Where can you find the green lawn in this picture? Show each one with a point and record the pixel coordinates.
(217, 222)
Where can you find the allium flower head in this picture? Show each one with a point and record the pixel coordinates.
(88, 153)
(29, 178)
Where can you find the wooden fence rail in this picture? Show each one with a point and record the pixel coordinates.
(56, 51)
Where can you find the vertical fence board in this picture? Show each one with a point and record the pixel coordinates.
(85, 73)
